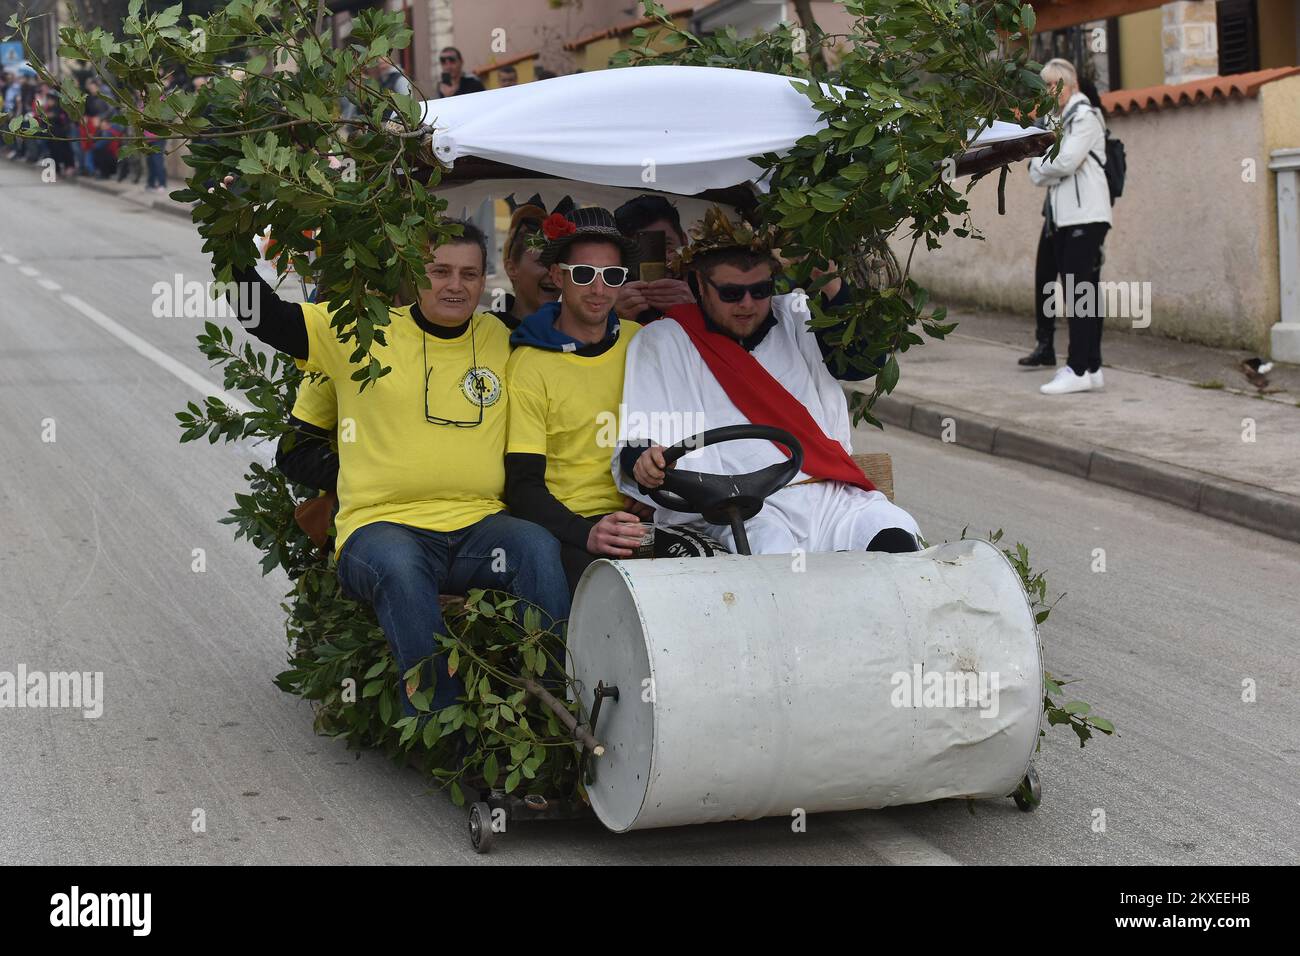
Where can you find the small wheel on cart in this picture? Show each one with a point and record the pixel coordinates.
(480, 827)
(1030, 792)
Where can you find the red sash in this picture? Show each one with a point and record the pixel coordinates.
(765, 401)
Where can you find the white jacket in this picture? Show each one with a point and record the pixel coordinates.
(1075, 180)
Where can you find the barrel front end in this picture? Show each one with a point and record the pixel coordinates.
(758, 686)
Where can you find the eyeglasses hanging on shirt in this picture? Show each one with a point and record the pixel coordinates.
(477, 382)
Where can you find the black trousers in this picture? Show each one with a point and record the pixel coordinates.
(1072, 253)
(1045, 272)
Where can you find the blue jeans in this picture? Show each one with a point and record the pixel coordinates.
(401, 570)
(156, 164)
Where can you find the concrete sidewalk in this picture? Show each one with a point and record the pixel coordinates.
(1220, 451)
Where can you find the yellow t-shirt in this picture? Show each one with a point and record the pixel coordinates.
(565, 406)
(394, 465)
(317, 402)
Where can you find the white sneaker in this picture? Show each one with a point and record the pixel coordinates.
(1096, 379)
(1066, 381)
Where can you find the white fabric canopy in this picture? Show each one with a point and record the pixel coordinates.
(676, 129)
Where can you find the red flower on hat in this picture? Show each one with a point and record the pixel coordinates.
(556, 226)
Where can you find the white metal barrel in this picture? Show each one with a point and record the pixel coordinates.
(755, 686)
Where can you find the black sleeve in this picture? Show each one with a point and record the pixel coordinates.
(305, 457)
(529, 498)
(628, 455)
(278, 323)
(856, 349)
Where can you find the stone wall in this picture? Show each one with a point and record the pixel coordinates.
(1190, 40)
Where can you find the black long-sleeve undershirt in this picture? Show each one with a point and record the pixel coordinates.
(628, 455)
(305, 456)
(278, 323)
(852, 350)
(528, 497)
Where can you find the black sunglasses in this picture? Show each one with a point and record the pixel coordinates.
(733, 293)
(448, 59)
(428, 372)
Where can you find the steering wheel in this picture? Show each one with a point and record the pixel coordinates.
(727, 499)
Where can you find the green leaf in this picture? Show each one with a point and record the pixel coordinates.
(888, 376)
(491, 770)
(168, 17)
(320, 179)
(316, 107)
(512, 781)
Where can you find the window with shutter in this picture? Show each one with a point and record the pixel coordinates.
(1238, 28)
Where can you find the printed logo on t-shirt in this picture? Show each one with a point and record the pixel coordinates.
(481, 386)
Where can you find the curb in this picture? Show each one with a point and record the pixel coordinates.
(169, 206)
(1237, 502)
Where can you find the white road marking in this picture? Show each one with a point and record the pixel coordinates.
(49, 284)
(28, 271)
(899, 846)
(12, 260)
(155, 355)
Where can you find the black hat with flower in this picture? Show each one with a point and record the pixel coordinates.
(585, 224)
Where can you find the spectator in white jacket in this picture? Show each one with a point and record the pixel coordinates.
(1077, 217)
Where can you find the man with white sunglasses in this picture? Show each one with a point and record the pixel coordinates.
(566, 378)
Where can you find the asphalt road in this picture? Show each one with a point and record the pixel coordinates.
(99, 528)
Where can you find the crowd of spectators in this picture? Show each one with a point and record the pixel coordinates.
(91, 147)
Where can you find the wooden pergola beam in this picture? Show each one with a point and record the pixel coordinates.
(1058, 14)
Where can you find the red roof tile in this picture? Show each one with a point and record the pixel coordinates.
(510, 62)
(623, 28)
(1167, 96)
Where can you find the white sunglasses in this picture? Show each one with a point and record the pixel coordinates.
(612, 276)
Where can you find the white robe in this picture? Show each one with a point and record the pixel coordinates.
(669, 394)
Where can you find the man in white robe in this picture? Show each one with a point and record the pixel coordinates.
(670, 392)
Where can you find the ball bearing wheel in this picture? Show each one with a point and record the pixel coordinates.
(480, 827)
(1030, 792)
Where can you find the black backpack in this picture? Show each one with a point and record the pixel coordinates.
(1115, 165)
